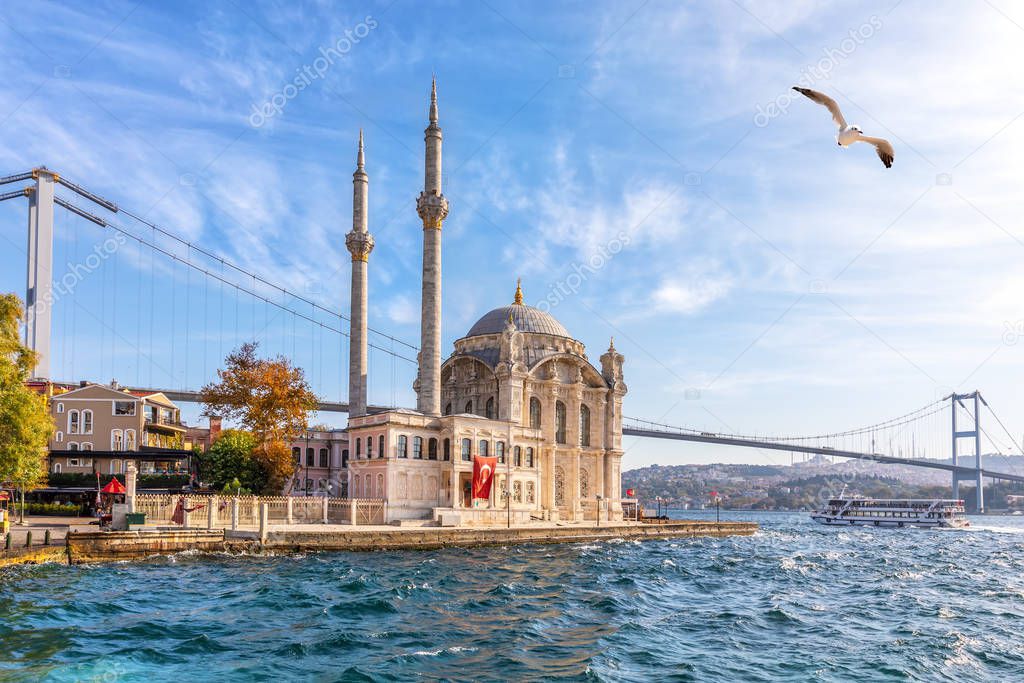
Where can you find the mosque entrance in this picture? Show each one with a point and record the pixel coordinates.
(466, 486)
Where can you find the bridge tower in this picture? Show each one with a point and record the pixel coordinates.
(955, 400)
(39, 286)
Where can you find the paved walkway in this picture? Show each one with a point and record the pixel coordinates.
(57, 526)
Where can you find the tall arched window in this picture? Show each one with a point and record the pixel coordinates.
(344, 457)
(380, 447)
(297, 455)
(483, 447)
(517, 457)
(116, 440)
(380, 485)
(432, 449)
(446, 453)
(559, 422)
(310, 458)
(467, 446)
(534, 412)
(469, 407)
(73, 422)
(87, 422)
(73, 446)
(417, 447)
(129, 440)
(369, 447)
(359, 448)
(324, 462)
(499, 451)
(584, 425)
(402, 450)
(60, 407)
(448, 409)
(529, 456)
(489, 409)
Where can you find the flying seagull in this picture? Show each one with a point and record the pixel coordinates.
(849, 134)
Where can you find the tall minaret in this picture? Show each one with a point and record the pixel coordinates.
(360, 244)
(432, 208)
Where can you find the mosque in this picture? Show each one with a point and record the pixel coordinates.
(517, 387)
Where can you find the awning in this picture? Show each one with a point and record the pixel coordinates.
(114, 486)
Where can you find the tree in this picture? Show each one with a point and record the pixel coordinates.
(25, 421)
(231, 460)
(271, 399)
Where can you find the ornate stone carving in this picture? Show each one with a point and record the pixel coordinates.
(359, 244)
(432, 209)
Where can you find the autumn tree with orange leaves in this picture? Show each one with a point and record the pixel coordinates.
(271, 399)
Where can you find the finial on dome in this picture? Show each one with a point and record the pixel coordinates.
(519, 293)
(611, 344)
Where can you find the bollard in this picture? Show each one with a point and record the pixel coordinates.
(46, 538)
(7, 541)
(325, 509)
(264, 521)
(28, 539)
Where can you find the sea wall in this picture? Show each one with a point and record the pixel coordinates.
(37, 554)
(103, 546)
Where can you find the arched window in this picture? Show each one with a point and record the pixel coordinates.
(56, 468)
(359, 448)
(529, 456)
(432, 449)
(489, 409)
(116, 440)
(72, 446)
(559, 422)
(296, 455)
(323, 458)
(417, 447)
(369, 447)
(129, 440)
(469, 407)
(530, 492)
(517, 457)
(60, 407)
(380, 485)
(446, 453)
(58, 437)
(584, 425)
(448, 408)
(402, 449)
(87, 422)
(535, 412)
(87, 446)
(484, 447)
(73, 423)
(310, 458)
(381, 453)
(344, 457)
(368, 485)
(467, 447)
(499, 451)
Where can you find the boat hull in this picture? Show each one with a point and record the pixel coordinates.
(828, 520)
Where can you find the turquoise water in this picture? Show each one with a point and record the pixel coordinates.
(796, 602)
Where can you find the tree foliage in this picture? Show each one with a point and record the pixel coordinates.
(25, 421)
(232, 458)
(271, 399)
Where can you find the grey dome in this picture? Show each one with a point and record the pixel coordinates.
(526, 319)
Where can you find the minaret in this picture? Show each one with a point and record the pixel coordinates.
(432, 208)
(360, 243)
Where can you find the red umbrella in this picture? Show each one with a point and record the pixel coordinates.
(114, 486)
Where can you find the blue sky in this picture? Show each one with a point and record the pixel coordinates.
(757, 277)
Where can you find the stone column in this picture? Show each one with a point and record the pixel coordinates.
(264, 521)
(234, 513)
(325, 509)
(131, 477)
(288, 517)
(211, 513)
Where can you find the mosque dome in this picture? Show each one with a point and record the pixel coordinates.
(526, 319)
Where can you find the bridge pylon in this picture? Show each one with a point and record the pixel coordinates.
(975, 433)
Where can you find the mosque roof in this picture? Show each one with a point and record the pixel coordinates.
(526, 319)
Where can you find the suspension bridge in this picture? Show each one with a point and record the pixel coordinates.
(114, 319)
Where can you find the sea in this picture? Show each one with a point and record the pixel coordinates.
(795, 602)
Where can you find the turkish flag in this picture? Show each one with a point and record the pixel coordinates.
(483, 476)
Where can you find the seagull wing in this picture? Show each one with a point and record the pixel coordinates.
(827, 102)
(883, 147)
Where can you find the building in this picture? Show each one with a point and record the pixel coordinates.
(321, 463)
(101, 428)
(517, 386)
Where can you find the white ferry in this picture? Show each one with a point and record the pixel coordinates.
(859, 511)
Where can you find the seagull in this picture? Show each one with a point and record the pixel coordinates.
(849, 134)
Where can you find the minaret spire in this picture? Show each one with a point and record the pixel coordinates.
(432, 208)
(360, 243)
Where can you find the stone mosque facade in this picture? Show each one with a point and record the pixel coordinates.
(517, 387)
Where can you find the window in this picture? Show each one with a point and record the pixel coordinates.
(56, 468)
(469, 407)
(124, 407)
(296, 455)
(73, 423)
(368, 485)
(417, 447)
(489, 409)
(499, 451)
(517, 491)
(559, 422)
(380, 485)
(448, 409)
(483, 447)
(86, 446)
(432, 449)
(534, 412)
(58, 437)
(446, 453)
(60, 407)
(116, 440)
(531, 495)
(344, 458)
(359, 448)
(517, 458)
(369, 447)
(310, 460)
(529, 456)
(74, 462)
(402, 449)
(584, 425)
(87, 422)
(72, 446)
(380, 446)
(323, 458)
(467, 445)
(129, 440)
(113, 467)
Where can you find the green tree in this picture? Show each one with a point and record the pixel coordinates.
(25, 421)
(232, 458)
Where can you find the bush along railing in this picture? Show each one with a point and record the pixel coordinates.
(52, 509)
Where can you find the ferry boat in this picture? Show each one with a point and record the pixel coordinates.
(909, 512)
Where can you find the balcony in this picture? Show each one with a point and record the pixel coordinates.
(162, 423)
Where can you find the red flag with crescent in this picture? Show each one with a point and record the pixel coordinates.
(483, 475)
